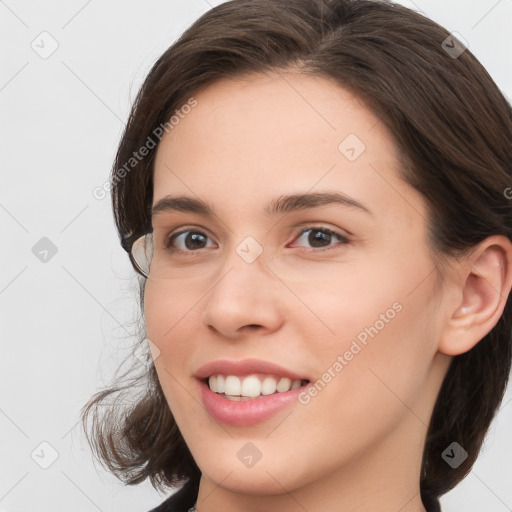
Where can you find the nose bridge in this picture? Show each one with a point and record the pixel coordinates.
(244, 274)
(244, 294)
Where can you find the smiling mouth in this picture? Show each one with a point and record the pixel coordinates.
(251, 387)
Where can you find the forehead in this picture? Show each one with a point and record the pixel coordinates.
(290, 114)
(263, 135)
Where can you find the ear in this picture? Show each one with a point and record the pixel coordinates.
(481, 283)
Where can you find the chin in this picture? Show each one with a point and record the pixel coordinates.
(250, 482)
(265, 478)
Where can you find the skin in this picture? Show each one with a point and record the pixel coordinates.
(357, 445)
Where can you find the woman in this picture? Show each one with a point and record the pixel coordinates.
(314, 194)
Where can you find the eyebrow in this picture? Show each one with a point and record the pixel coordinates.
(282, 204)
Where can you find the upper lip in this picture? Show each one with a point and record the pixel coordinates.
(245, 367)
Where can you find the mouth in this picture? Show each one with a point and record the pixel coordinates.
(247, 392)
(251, 387)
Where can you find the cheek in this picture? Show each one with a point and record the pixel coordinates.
(170, 318)
(366, 389)
(378, 332)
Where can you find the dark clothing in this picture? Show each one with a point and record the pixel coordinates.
(186, 497)
(180, 501)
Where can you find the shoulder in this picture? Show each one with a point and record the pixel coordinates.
(180, 501)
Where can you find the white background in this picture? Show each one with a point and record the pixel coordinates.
(66, 323)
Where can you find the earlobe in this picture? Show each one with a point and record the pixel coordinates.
(485, 283)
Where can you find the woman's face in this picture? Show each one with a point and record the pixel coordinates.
(339, 293)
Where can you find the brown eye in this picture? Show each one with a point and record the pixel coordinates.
(187, 240)
(320, 237)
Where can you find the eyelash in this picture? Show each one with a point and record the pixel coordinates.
(343, 239)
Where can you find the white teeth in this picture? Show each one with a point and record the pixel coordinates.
(232, 385)
(221, 384)
(295, 384)
(250, 386)
(268, 386)
(284, 385)
(212, 382)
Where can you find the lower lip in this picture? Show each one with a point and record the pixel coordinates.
(247, 412)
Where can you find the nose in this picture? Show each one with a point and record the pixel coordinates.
(246, 299)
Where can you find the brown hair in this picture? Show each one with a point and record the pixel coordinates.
(453, 128)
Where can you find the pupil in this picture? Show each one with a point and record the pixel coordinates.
(320, 236)
(195, 237)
